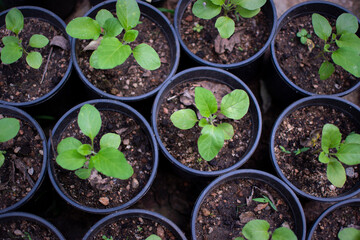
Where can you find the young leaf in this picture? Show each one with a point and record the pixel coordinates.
(347, 59)
(323, 158)
(70, 160)
(9, 128)
(326, 70)
(84, 28)
(227, 129)
(102, 16)
(205, 101)
(346, 22)
(218, 2)
(203, 122)
(353, 138)
(11, 53)
(112, 27)
(256, 230)
(321, 26)
(349, 41)
(205, 9)
(153, 237)
(252, 4)
(38, 41)
(225, 26)
(245, 13)
(130, 35)
(349, 234)
(349, 153)
(146, 57)
(210, 142)
(111, 140)
(67, 144)
(283, 233)
(331, 137)
(14, 20)
(283, 149)
(128, 13)
(89, 121)
(335, 172)
(84, 149)
(2, 158)
(184, 119)
(34, 59)
(10, 40)
(235, 104)
(83, 173)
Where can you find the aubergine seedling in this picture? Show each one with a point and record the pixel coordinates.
(153, 237)
(74, 155)
(233, 105)
(349, 233)
(13, 48)
(9, 128)
(106, 28)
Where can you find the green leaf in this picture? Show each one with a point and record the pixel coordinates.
(218, 2)
(323, 158)
(84, 149)
(251, 4)
(67, 144)
(261, 200)
(321, 26)
(336, 173)
(34, 59)
(245, 13)
(283, 233)
(112, 163)
(349, 234)
(130, 35)
(146, 57)
(239, 238)
(38, 41)
(112, 27)
(347, 59)
(184, 119)
(326, 70)
(353, 138)
(225, 26)
(89, 121)
(14, 21)
(83, 173)
(10, 40)
(205, 9)
(235, 104)
(84, 28)
(227, 129)
(11, 53)
(102, 16)
(210, 142)
(205, 101)
(331, 137)
(71, 160)
(153, 237)
(110, 53)
(350, 41)
(346, 23)
(110, 140)
(256, 230)
(2, 158)
(203, 122)
(128, 13)
(9, 128)
(349, 153)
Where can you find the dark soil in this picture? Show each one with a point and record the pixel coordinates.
(21, 83)
(252, 36)
(110, 192)
(129, 79)
(134, 228)
(305, 171)
(330, 225)
(182, 144)
(22, 165)
(227, 208)
(301, 66)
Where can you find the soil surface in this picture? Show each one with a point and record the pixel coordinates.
(301, 63)
(129, 79)
(21, 83)
(100, 191)
(302, 128)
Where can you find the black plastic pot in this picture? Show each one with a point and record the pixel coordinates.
(10, 111)
(101, 105)
(20, 216)
(283, 89)
(288, 195)
(215, 75)
(246, 69)
(134, 213)
(154, 15)
(355, 202)
(337, 103)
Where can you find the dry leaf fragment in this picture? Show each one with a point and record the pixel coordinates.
(93, 45)
(60, 41)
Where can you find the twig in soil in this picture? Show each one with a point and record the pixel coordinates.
(46, 66)
(21, 166)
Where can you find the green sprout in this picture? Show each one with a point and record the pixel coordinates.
(198, 27)
(74, 155)
(9, 128)
(111, 51)
(344, 45)
(13, 48)
(106, 238)
(208, 9)
(296, 152)
(233, 105)
(303, 35)
(349, 234)
(259, 230)
(265, 199)
(153, 237)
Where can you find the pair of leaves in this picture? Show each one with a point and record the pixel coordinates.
(9, 128)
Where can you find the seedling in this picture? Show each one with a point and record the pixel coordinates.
(334, 153)
(265, 199)
(233, 105)
(106, 238)
(74, 155)
(9, 128)
(344, 45)
(198, 27)
(153, 237)
(208, 9)
(105, 29)
(303, 35)
(13, 48)
(259, 230)
(296, 152)
(349, 234)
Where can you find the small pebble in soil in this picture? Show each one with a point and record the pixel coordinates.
(104, 201)
(135, 183)
(350, 172)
